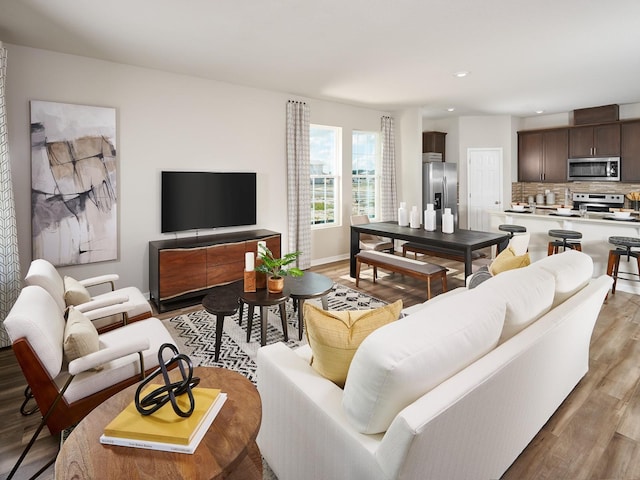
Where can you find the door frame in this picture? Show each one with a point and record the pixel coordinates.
(500, 151)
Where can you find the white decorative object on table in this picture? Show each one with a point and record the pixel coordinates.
(447, 221)
(403, 215)
(430, 218)
(415, 217)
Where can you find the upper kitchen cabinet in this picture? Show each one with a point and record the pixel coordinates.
(434, 142)
(542, 155)
(595, 141)
(630, 151)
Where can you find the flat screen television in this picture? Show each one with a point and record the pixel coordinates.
(195, 200)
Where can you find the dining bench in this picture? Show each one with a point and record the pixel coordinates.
(402, 265)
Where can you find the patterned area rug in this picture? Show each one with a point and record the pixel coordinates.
(195, 332)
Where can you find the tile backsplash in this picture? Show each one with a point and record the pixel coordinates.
(520, 191)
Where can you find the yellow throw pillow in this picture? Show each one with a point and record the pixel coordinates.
(508, 260)
(80, 336)
(74, 292)
(334, 336)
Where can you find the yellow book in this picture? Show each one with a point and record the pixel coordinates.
(164, 425)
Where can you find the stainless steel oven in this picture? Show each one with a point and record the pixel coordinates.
(594, 169)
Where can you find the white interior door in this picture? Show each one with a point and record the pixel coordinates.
(484, 167)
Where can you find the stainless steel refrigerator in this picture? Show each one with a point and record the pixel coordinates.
(440, 187)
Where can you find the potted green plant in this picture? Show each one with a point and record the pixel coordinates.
(276, 268)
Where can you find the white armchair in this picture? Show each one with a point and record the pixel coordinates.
(107, 310)
(66, 391)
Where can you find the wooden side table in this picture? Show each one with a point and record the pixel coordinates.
(228, 450)
(309, 285)
(263, 299)
(222, 301)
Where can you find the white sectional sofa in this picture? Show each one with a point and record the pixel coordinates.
(455, 390)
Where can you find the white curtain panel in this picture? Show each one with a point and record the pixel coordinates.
(299, 182)
(9, 260)
(388, 194)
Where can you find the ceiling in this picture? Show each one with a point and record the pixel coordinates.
(522, 55)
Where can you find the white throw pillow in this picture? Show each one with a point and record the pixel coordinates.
(528, 293)
(400, 362)
(74, 292)
(80, 336)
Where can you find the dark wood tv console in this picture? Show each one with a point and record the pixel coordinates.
(181, 270)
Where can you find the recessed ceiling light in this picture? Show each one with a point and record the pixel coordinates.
(461, 74)
(539, 111)
(450, 109)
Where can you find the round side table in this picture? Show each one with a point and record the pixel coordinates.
(263, 299)
(309, 285)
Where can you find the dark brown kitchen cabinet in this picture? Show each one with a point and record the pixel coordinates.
(595, 141)
(434, 142)
(630, 151)
(542, 155)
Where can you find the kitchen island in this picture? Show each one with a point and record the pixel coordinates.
(595, 229)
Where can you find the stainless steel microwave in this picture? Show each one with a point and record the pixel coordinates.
(594, 169)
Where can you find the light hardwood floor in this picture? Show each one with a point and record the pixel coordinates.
(594, 435)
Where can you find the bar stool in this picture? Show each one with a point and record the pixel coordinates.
(512, 229)
(567, 240)
(623, 247)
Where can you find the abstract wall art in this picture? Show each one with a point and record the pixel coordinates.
(74, 214)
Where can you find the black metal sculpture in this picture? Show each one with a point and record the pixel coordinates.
(160, 396)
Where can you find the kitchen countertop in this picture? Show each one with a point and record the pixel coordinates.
(590, 216)
(595, 230)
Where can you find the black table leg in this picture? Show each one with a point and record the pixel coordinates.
(264, 314)
(300, 320)
(283, 319)
(468, 262)
(325, 302)
(219, 327)
(249, 322)
(240, 312)
(353, 251)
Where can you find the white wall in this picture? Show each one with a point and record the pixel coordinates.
(409, 157)
(165, 122)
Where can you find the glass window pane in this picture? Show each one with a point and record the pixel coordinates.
(365, 154)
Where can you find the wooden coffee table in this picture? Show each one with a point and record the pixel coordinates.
(228, 450)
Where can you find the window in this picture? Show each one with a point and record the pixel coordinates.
(365, 180)
(325, 155)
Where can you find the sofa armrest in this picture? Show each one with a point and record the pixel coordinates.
(304, 431)
(93, 360)
(100, 279)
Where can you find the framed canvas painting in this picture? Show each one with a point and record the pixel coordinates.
(74, 214)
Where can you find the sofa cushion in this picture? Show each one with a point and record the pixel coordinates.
(80, 336)
(334, 336)
(74, 292)
(528, 293)
(508, 260)
(403, 360)
(438, 298)
(572, 271)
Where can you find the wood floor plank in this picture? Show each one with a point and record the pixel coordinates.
(621, 460)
